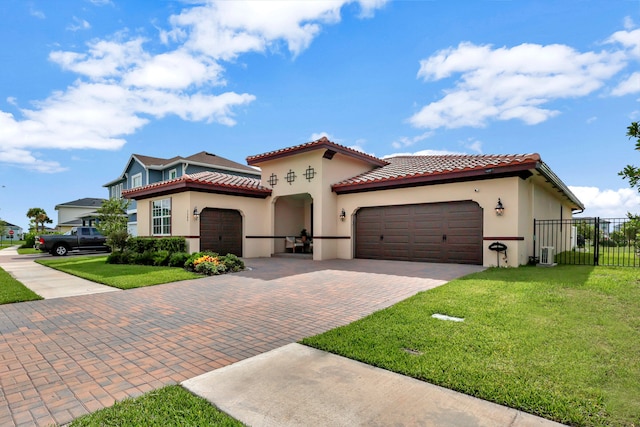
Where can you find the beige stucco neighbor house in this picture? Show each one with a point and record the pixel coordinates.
(353, 205)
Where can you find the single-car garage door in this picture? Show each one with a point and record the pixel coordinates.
(221, 231)
(434, 232)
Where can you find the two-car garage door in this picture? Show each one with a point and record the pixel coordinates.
(434, 232)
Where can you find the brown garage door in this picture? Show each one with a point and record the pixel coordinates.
(434, 232)
(221, 231)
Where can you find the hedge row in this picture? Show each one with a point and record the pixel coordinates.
(171, 252)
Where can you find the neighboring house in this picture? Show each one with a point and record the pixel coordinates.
(142, 170)
(18, 232)
(414, 208)
(81, 212)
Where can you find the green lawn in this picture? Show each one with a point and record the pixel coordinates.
(13, 291)
(121, 276)
(562, 342)
(28, 251)
(168, 406)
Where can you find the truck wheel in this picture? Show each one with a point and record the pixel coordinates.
(60, 250)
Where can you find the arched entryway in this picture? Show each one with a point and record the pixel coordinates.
(292, 215)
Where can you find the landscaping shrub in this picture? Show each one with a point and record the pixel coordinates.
(145, 258)
(211, 268)
(161, 258)
(189, 263)
(171, 244)
(29, 240)
(178, 259)
(141, 244)
(118, 258)
(233, 263)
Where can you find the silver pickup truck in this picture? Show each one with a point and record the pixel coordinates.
(76, 239)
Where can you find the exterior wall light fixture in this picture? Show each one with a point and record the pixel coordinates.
(343, 215)
(499, 208)
(196, 214)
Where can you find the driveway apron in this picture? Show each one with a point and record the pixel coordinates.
(65, 357)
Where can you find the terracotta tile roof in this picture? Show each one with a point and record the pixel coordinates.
(215, 182)
(322, 143)
(443, 167)
(225, 180)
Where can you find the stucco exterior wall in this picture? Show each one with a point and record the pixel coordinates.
(184, 224)
(485, 193)
(325, 211)
(288, 209)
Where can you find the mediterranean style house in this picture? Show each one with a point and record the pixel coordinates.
(449, 208)
(142, 170)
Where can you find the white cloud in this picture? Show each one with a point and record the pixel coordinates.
(79, 24)
(104, 59)
(26, 160)
(628, 86)
(608, 203)
(36, 13)
(473, 145)
(591, 120)
(122, 86)
(406, 141)
(510, 83)
(174, 70)
(225, 29)
(628, 23)
(629, 39)
(427, 152)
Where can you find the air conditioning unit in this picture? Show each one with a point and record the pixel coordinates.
(547, 256)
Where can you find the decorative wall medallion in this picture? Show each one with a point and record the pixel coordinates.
(273, 180)
(290, 177)
(309, 173)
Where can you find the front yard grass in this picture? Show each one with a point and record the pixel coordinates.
(168, 406)
(13, 291)
(123, 276)
(562, 343)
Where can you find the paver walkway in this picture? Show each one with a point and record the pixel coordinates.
(65, 357)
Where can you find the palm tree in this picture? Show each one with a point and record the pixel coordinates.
(39, 217)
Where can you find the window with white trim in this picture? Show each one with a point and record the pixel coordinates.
(173, 174)
(161, 217)
(136, 180)
(116, 191)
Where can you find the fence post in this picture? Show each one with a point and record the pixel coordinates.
(534, 240)
(596, 240)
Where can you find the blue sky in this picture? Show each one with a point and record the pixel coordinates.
(86, 83)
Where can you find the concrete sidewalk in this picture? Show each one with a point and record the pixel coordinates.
(296, 385)
(45, 281)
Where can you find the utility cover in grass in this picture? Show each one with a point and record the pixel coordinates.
(445, 317)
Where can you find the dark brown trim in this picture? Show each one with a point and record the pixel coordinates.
(291, 235)
(504, 238)
(312, 146)
(522, 170)
(182, 186)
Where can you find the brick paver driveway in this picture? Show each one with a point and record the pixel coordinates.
(63, 358)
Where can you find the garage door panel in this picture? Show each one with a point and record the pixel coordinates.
(416, 232)
(221, 231)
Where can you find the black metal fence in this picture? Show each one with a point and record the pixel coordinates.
(587, 241)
